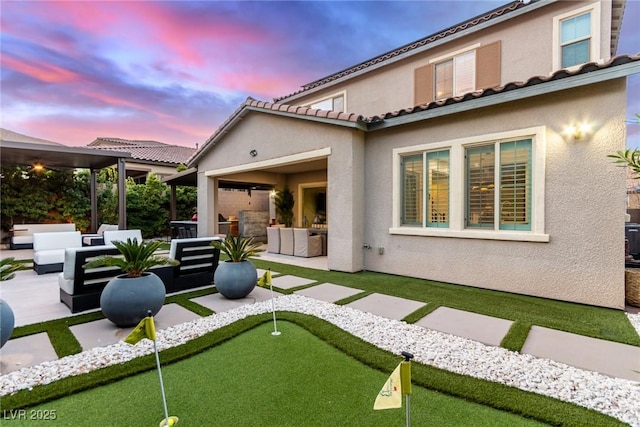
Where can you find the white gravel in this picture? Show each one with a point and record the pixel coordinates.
(613, 396)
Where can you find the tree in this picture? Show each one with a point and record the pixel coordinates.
(630, 158)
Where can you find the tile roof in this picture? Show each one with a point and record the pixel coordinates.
(369, 123)
(9, 135)
(560, 74)
(465, 25)
(151, 151)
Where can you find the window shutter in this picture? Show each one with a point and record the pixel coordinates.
(423, 85)
(488, 65)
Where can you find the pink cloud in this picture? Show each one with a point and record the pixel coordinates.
(120, 102)
(40, 70)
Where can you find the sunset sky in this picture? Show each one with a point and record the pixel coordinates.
(173, 71)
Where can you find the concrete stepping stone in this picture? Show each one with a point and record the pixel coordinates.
(485, 329)
(288, 282)
(328, 292)
(103, 332)
(219, 304)
(386, 306)
(27, 351)
(607, 357)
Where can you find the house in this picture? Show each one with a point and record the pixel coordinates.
(146, 156)
(487, 167)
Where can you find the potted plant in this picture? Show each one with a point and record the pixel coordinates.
(129, 297)
(8, 268)
(284, 202)
(236, 277)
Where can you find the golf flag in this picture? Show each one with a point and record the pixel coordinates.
(390, 396)
(145, 329)
(265, 280)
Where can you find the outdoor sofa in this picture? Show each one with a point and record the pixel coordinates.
(97, 238)
(21, 235)
(49, 248)
(80, 288)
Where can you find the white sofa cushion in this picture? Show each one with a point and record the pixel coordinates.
(52, 256)
(56, 240)
(24, 232)
(121, 235)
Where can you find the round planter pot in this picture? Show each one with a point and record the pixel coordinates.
(235, 279)
(7, 322)
(127, 300)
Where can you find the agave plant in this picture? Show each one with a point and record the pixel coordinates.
(136, 258)
(8, 268)
(237, 248)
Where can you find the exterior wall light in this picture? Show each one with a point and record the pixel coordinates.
(577, 131)
(253, 153)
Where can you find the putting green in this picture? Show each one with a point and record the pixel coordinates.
(257, 379)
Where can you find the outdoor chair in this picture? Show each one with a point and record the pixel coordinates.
(48, 249)
(198, 261)
(97, 238)
(306, 245)
(286, 241)
(273, 240)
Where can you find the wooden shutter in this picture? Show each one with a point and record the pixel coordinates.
(488, 65)
(423, 85)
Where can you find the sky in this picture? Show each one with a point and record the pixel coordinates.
(173, 71)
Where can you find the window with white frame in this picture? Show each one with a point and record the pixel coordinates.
(576, 37)
(455, 76)
(334, 103)
(575, 40)
(485, 187)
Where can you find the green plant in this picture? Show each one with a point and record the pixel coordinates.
(284, 202)
(136, 258)
(630, 158)
(237, 248)
(8, 268)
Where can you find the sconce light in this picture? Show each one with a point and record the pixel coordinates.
(577, 131)
(38, 167)
(253, 153)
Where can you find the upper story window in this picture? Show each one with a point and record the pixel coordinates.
(486, 187)
(471, 68)
(455, 76)
(331, 103)
(576, 37)
(575, 40)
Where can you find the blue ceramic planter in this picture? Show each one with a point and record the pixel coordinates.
(7, 322)
(127, 300)
(235, 280)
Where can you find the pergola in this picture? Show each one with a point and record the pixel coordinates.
(14, 153)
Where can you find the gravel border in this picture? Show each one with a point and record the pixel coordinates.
(613, 396)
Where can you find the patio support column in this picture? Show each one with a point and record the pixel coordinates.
(173, 200)
(122, 195)
(93, 197)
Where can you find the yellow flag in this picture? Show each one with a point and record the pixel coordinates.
(145, 329)
(390, 396)
(265, 280)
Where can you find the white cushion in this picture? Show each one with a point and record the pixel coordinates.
(68, 269)
(53, 256)
(122, 235)
(56, 240)
(174, 243)
(65, 284)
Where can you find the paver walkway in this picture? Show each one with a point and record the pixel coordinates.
(606, 357)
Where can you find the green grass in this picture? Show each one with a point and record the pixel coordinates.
(524, 311)
(241, 375)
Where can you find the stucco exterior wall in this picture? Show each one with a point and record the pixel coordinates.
(584, 203)
(275, 137)
(391, 88)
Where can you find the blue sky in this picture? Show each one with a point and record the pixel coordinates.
(173, 71)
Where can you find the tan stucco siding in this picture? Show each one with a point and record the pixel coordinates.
(584, 203)
(276, 137)
(526, 51)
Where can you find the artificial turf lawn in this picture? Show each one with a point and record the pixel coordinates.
(487, 393)
(257, 379)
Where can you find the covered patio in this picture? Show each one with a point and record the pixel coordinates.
(14, 153)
